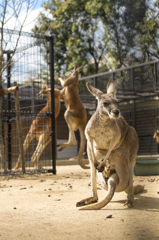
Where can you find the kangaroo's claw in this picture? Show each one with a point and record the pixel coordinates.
(100, 167)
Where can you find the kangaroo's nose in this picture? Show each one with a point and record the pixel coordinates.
(115, 111)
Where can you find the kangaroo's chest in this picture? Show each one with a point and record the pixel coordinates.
(101, 135)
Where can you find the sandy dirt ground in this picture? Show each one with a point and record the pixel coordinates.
(42, 207)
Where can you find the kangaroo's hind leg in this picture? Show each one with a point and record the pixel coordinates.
(82, 147)
(44, 139)
(71, 125)
(28, 139)
(94, 196)
(130, 190)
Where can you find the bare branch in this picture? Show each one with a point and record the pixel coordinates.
(4, 13)
(17, 41)
(15, 10)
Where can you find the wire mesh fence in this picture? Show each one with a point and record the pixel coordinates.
(29, 67)
(138, 94)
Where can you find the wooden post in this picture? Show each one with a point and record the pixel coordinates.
(19, 126)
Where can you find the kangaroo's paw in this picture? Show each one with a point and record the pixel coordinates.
(87, 201)
(96, 165)
(100, 167)
(61, 148)
(60, 145)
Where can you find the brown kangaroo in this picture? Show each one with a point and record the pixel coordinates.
(112, 147)
(41, 126)
(75, 114)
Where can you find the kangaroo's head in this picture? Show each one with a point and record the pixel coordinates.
(107, 103)
(44, 90)
(74, 72)
(73, 75)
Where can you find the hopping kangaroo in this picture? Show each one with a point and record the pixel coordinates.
(75, 114)
(41, 126)
(112, 149)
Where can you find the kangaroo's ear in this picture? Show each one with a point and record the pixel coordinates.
(112, 88)
(95, 91)
(77, 69)
(43, 85)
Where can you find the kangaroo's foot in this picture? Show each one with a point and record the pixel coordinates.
(65, 145)
(37, 165)
(129, 204)
(87, 201)
(17, 166)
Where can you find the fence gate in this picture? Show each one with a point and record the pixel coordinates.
(32, 64)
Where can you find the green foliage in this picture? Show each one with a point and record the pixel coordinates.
(86, 31)
(148, 40)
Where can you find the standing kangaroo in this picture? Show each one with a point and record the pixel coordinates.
(112, 149)
(41, 126)
(75, 114)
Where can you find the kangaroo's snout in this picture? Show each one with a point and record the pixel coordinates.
(115, 113)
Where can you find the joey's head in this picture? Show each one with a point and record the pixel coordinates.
(107, 103)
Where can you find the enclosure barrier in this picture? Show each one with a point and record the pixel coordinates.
(138, 93)
(31, 65)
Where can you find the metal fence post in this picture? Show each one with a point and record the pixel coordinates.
(95, 85)
(19, 126)
(155, 76)
(113, 76)
(132, 77)
(52, 105)
(8, 119)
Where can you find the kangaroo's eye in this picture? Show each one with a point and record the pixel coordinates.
(105, 104)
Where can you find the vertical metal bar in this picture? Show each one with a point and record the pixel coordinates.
(157, 118)
(9, 117)
(19, 126)
(52, 105)
(32, 99)
(33, 111)
(132, 77)
(134, 114)
(155, 76)
(2, 116)
(157, 127)
(95, 82)
(113, 76)
(95, 85)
